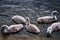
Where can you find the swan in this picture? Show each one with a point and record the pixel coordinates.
(5, 29)
(48, 19)
(18, 19)
(31, 27)
(52, 28)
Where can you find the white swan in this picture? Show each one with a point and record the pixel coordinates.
(48, 19)
(53, 27)
(31, 27)
(18, 19)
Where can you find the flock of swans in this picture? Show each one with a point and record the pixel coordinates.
(21, 21)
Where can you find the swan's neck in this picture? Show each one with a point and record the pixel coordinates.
(54, 17)
(28, 22)
(54, 14)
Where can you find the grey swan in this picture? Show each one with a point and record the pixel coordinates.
(48, 19)
(5, 29)
(31, 27)
(54, 27)
(18, 19)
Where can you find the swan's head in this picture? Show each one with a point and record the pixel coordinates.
(4, 29)
(49, 31)
(27, 21)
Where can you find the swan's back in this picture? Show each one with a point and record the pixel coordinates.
(32, 28)
(19, 19)
(46, 19)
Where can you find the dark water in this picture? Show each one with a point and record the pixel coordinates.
(33, 9)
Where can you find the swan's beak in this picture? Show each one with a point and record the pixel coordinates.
(48, 34)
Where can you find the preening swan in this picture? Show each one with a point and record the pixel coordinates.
(31, 27)
(48, 19)
(11, 29)
(52, 28)
(18, 19)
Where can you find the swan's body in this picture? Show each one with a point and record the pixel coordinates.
(53, 27)
(48, 19)
(11, 28)
(15, 28)
(31, 27)
(18, 19)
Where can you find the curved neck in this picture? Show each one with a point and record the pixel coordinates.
(54, 14)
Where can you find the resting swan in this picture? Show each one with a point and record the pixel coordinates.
(53, 27)
(11, 29)
(18, 19)
(31, 27)
(48, 19)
